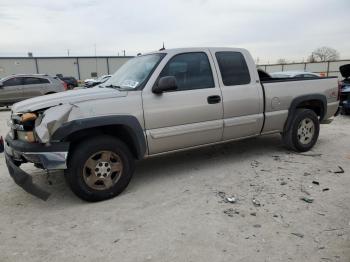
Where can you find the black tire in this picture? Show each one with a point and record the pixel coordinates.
(291, 138)
(77, 164)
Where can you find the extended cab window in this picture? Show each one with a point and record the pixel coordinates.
(15, 81)
(191, 70)
(233, 68)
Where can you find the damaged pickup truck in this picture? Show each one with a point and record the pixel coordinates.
(159, 103)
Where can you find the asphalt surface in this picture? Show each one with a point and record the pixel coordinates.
(174, 208)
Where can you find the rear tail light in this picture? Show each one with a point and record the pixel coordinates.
(1, 144)
(339, 89)
(65, 86)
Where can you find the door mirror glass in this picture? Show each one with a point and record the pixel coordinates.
(166, 83)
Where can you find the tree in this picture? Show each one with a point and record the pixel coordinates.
(324, 54)
(282, 61)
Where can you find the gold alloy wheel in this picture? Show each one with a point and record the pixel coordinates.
(102, 170)
(306, 131)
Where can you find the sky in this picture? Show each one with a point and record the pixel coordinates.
(269, 29)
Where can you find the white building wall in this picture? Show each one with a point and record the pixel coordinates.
(54, 66)
(9, 66)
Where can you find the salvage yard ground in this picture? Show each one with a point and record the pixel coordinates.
(175, 208)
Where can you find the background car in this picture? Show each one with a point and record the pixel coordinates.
(69, 80)
(93, 82)
(345, 89)
(294, 74)
(16, 88)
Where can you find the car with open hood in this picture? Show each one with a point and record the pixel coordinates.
(345, 88)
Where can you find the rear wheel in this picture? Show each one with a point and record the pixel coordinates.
(303, 132)
(100, 169)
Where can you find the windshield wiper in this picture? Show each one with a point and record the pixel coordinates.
(111, 86)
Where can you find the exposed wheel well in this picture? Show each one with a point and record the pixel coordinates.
(48, 93)
(315, 105)
(119, 131)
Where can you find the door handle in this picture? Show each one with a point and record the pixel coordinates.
(213, 99)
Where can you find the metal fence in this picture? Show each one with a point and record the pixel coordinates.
(326, 68)
(78, 67)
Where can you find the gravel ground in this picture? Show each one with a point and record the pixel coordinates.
(174, 209)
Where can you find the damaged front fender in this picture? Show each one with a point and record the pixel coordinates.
(51, 120)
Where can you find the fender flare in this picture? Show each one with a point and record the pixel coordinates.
(129, 122)
(300, 99)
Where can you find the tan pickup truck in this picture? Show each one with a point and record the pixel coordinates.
(160, 103)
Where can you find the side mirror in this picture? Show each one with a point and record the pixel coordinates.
(166, 83)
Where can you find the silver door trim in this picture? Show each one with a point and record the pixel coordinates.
(242, 120)
(186, 129)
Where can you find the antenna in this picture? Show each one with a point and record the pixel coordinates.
(163, 47)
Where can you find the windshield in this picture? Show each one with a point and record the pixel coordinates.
(134, 72)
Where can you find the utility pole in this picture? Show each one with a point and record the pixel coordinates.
(96, 60)
(67, 52)
(124, 52)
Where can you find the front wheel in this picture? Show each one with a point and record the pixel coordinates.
(303, 132)
(100, 168)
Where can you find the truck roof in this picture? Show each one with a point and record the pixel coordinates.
(192, 49)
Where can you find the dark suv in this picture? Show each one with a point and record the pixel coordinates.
(69, 80)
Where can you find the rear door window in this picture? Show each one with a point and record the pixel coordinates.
(31, 81)
(44, 81)
(233, 68)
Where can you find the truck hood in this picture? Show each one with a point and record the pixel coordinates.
(345, 70)
(67, 97)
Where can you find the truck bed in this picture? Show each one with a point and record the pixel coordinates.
(280, 92)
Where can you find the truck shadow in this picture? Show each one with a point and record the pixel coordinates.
(181, 163)
(168, 166)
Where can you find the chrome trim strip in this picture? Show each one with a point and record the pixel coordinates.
(242, 120)
(185, 129)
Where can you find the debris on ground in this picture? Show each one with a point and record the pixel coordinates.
(302, 189)
(316, 182)
(276, 158)
(298, 235)
(325, 189)
(313, 155)
(231, 200)
(283, 183)
(231, 212)
(221, 194)
(307, 200)
(255, 163)
(257, 225)
(340, 171)
(253, 214)
(256, 202)
(307, 174)
(227, 199)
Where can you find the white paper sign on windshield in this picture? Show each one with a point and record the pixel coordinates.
(129, 83)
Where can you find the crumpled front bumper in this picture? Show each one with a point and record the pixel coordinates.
(49, 157)
(24, 180)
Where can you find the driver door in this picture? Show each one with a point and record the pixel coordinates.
(190, 116)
